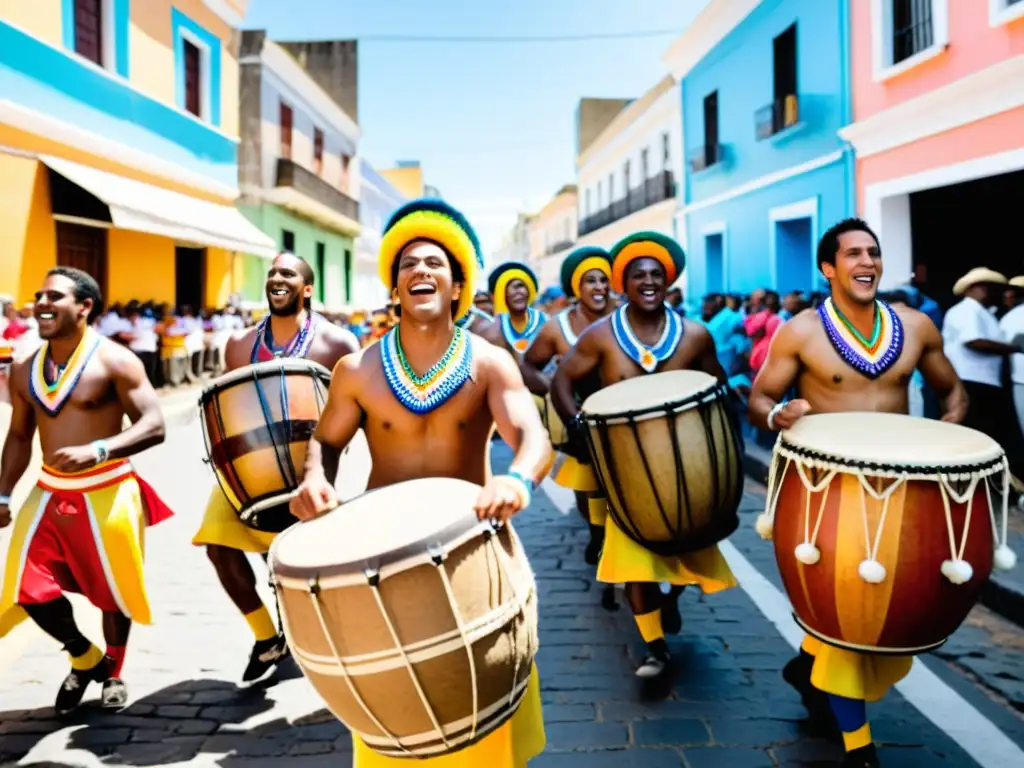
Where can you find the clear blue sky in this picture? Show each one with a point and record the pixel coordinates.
(492, 124)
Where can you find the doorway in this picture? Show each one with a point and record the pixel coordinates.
(83, 248)
(714, 257)
(794, 255)
(189, 277)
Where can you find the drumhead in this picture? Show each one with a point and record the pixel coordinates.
(380, 527)
(891, 439)
(644, 393)
(265, 370)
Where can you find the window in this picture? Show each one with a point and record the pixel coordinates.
(784, 60)
(611, 188)
(666, 150)
(193, 79)
(711, 119)
(784, 110)
(586, 203)
(286, 131)
(287, 240)
(345, 160)
(600, 196)
(912, 30)
(318, 151)
(906, 33)
(625, 176)
(89, 36)
(644, 170)
(1004, 11)
(321, 271)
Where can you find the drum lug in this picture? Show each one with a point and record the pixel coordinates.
(372, 576)
(436, 555)
(314, 586)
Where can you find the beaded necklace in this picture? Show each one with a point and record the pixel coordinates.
(870, 358)
(647, 357)
(263, 348)
(52, 388)
(521, 342)
(422, 394)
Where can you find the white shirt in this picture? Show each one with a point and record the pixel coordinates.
(144, 337)
(1012, 325)
(966, 322)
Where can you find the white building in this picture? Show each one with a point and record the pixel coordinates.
(378, 200)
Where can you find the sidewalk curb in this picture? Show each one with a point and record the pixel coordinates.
(998, 595)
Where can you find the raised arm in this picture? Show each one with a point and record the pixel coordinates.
(581, 361)
(939, 372)
(17, 451)
(775, 379)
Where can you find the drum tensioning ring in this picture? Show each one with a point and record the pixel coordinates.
(717, 393)
(866, 649)
(255, 373)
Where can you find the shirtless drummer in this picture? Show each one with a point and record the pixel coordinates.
(427, 397)
(644, 336)
(291, 329)
(825, 354)
(82, 528)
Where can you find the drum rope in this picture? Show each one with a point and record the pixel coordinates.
(531, 641)
(314, 595)
(457, 614)
(290, 426)
(957, 555)
(374, 584)
(871, 570)
(268, 418)
(810, 489)
(616, 501)
(682, 486)
(635, 429)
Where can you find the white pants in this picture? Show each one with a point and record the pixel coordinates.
(1018, 403)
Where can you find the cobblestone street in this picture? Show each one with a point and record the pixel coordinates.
(727, 706)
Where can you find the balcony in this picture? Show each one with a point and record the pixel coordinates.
(654, 190)
(302, 190)
(705, 157)
(561, 245)
(777, 117)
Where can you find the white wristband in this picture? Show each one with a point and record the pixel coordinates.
(772, 414)
(5, 501)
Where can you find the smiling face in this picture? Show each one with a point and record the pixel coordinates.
(594, 291)
(425, 284)
(857, 269)
(56, 309)
(646, 283)
(517, 296)
(289, 285)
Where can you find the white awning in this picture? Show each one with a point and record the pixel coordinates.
(143, 207)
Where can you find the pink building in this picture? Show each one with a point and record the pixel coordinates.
(938, 109)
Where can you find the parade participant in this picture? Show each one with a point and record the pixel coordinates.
(81, 529)
(853, 353)
(291, 329)
(479, 322)
(585, 275)
(644, 336)
(427, 398)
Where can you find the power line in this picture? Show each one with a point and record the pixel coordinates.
(518, 39)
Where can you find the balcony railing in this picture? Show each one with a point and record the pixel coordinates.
(291, 174)
(654, 190)
(776, 117)
(561, 245)
(705, 157)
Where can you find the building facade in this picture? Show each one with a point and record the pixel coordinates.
(515, 244)
(298, 170)
(378, 199)
(627, 171)
(552, 234)
(938, 103)
(764, 89)
(118, 148)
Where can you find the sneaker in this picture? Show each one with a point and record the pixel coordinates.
(115, 694)
(864, 757)
(73, 688)
(655, 662)
(671, 620)
(265, 655)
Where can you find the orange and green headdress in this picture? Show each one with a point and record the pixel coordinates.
(504, 274)
(581, 261)
(646, 245)
(435, 221)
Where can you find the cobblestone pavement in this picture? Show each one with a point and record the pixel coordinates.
(727, 706)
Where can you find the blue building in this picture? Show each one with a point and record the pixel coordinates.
(378, 199)
(765, 87)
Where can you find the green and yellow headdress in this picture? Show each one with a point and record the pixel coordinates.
(436, 221)
(581, 261)
(504, 274)
(646, 245)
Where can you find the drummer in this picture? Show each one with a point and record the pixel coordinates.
(290, 329)
(826, 355)
(427, 398)
(514, 288)
(644, 336)
(585, 276)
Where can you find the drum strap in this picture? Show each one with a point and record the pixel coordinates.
(646, 357)
(263, 348)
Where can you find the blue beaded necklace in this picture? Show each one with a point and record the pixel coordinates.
(423, 394)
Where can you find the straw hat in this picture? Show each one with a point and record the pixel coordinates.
(975, 276)
(1017, 282)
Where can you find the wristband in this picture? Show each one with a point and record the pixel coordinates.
(527, 488)
(101, 450)
(5, 501)
(772, 414)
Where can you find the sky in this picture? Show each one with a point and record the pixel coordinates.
(493, 124)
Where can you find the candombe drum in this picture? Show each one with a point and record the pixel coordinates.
(257, 422)
(414, 621)
(885, 526)
(670, 463)
(552, 422)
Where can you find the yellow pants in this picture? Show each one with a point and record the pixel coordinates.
(624, 561)
(863, 676)
(519, 740)
(222, 526)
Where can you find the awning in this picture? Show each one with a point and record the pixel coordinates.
(143, 207)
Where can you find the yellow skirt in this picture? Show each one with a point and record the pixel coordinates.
(514, 744)
(575, 476)
(222, 526)
(624, 561)
(863, 676)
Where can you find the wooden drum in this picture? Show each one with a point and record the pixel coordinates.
(552, 422)
(885, 527)
(415, 622)
(257, 422)
(666, 451)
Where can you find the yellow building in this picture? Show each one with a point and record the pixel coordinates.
(119, 148)
(552, 234)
